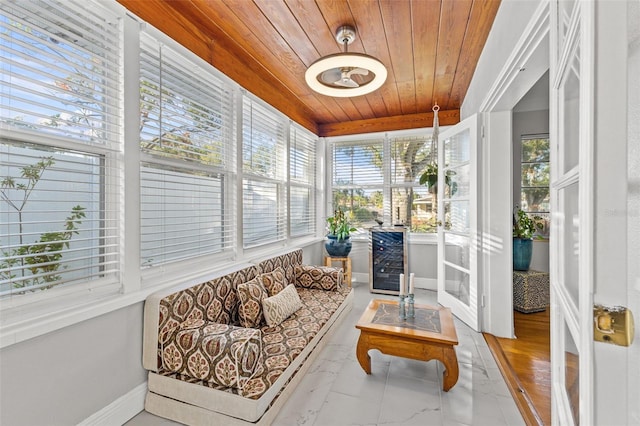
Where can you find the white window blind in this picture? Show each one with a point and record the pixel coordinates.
(60, 137)
(378, 178)
(60, 70)
(302, 178)
(264, 196)
(187, 145)
(358, 180)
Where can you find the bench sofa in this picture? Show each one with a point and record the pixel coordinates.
(209, 364)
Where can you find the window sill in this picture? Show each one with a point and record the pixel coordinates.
(30, 322)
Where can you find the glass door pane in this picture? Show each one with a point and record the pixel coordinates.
(457, 230)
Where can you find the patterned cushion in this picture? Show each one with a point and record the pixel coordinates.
(251, 295)
(283, 343)
(319, 277)
(285, 261)
(279, 307)
(223, 300)
(274, 281)
(202, 301)
(218, 353)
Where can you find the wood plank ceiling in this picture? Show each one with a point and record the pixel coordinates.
(430, 49)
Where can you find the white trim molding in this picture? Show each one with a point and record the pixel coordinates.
(121, 410)
(536, 32)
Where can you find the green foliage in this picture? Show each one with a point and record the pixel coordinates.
(339, 225)
(525, 226)
(187, 127)
(42, 258)
(430, 178)
(430, 175)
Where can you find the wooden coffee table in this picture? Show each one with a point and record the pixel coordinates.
(430, 335)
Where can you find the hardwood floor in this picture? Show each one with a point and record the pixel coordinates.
(525, 365)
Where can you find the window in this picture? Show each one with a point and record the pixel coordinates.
(358, 181)
(264, 195)
(186, 142)
(378, 179)
(534, 183)
(302, 178)
(60, 121)
(411, 203)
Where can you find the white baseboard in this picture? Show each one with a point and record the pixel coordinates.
(426, 283)
(360, 277)
(423, 283)
(121, 410)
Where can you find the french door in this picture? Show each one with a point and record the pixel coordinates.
(572, 196)
(592, 383)
(458, 239)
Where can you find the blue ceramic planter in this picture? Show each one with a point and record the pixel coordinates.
(337, 248)
(522, 252)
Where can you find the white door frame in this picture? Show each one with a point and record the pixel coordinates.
(528, 61)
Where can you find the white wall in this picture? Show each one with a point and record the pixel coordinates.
(63, 377)
(514, 57)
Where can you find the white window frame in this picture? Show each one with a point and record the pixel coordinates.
(173, 52)
(544, 234)
(308, 143)
(18, 311)
(278, 176)
(387, 137)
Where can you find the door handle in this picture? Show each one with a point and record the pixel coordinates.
(613, 324)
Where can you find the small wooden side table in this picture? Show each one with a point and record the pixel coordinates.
(346, 266)
(430, 335)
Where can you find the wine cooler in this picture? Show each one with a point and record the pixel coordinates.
(387, 259)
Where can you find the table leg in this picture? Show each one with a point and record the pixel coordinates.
(362, 353)
(450, 375)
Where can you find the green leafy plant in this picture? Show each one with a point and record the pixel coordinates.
(339, 225)
(43, 257)
(525, 226)
(430, 177)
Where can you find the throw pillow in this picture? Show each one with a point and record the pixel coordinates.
(279, 307)
(274, 281)
(251, 295)
(319, 277)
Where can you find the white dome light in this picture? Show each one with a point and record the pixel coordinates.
(346, 74)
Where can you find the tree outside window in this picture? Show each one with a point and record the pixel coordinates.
(378, 179)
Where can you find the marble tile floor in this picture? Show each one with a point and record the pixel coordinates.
(336, 391)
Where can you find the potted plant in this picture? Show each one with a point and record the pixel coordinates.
(524, 228)
(430, 178)
(338, 242)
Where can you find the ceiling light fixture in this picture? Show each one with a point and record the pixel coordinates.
(346, 74)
